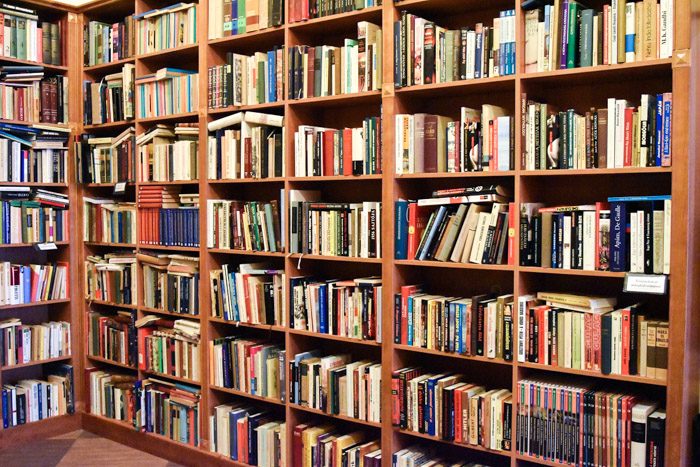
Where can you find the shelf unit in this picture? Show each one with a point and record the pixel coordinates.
(585, 86)
(57, 310)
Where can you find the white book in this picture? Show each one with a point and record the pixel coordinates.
(640, 414)
(611, 132)
(666, 29)
(479, 237)
(566, 243)
(634, 244)
(629, 32)
(589, 239)
(667, 237)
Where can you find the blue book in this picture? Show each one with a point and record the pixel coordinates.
(183, 425)
(253, 424)
(430, 413)
(477, 54)
(434, 229)
(409, 318)
(502, 47)
(234, 416)
(619, 230)
(636, 199)
(5, 411)
(511, 44)
(659, 127)
(271, 78)
(26, 273)
(226, 350)
(234, 18)
(323, 309)
(401, 229)
(458, 326)
(666, 145)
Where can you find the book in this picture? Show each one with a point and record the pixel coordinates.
(169, 347)
(172, 287)
(168, 154)
(33, 97)
(111, 99)
(167, 217)
(26, 36)
(109, 221)
(112, 278)
(113, 336)
(108, 42)
(231, 18)
(166, 92)
(22, 343)
(36, 218)
(106, 159)
(244, 225)
(33, 283)
(179, 20)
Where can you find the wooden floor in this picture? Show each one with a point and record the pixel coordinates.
(78, 448)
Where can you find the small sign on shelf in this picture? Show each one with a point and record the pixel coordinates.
(654, 284)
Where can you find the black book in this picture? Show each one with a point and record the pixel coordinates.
(606, 344)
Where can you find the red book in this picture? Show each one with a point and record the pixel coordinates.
(347, 151)
(395, 404)
(328, 153)
(248, 158)
(311, 57)
(626, 317)
(542, 334)
(629, 112)
(600, 206)
(430, 144)
(297, 444)
(143, 333)
(595, 331)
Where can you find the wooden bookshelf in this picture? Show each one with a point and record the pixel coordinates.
(583, 86)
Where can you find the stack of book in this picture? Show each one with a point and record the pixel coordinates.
(25, 343)
(27, 216)
(31, 400)
(168, 409)
(106, 159)
(425, 53)
(621, 135)
(249, 435)
(110, 99)
(463, 225)
(263, 285)
(167, 217)
(328, 71)
(422, 457)
(346, 308)
(105, 43)
(450, 408)
(247, 80)
(244, 225)
(334, 229)
(612, 422)
(111, 278)
(248, 365)
(256, 150)
(302, 11)
(33, 154)
(336, 385)
(113, 336)
(169, 347)
(113, 395)
(569, 34)
(33, 283)
(588, 333)
(29, 96)
(27, 38)
(169, 91)
(168, 154)
(170, 283)
(334, 447)
(478, 326)
(166, 28)
(481, 140)
(109, 221)
(320, 151)
(624, 234)
(231, 18)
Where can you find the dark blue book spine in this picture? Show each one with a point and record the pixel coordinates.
(271, 82)
(401, 228)
(618, 236)
(659, 128)
(423, 254)
(477, 54)
(5, 413)
(323, 309)
(226, 350)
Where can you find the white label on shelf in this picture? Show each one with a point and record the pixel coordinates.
(120, 188)
(46, 246)
(645, 283)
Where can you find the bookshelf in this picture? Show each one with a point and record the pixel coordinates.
(580, 87)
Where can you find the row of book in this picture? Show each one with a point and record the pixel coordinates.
(479, 326)
(248, 365)
(447, 406)
(336, 385)
(168, 154)
(249, 435)
(32, 217)
(624, 234)
(33, 283)
(166, 28)
(426, 53)
(346, 308)
(561, 421)
(106, 159)
(621, 135)
(111, 99)
(334, 229)
(328, 70)
(27, 38)
(254, 150)
(28, 96)
(419, 456)
(105, 43)
(24, 343)
(480, 140)
(171, 283)
(234, 17)
(244, 225)
(109, 221)
(248, 293)
(169, 347)
(151, 405)
(113, 336)
(303, 11)
(456, 225)
(320, 151)
(588, 333)
(167, 217)
(31, 400)
(111, 278)
(570, 34)
(247, 79)
(333, 447)
(169, 91)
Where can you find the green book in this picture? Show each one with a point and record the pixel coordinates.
(572, 44)
(260, 87)
(586, 38)
(241, 17)
(576, 340)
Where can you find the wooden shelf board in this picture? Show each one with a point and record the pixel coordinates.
(243, 108)
(110, 244)
(437, 353)
(598, 72)
(341, 20)
(349, 340)
(169, 182)
(449, 264)
(255, 36)
(235, 392)
(106, 303)
(268, 254)
(359, 98)
(346, 259)
(156, 374)
(188, 50)
(30, 245)
(336, 178)
(167, 118)
(107, 361)
(35, 184)
(108, 125)
(192, 249)
(26, 123)
(593, 374)
(452, 443)
(40, 429)
(266, 327)
(458, 175)
(109, 66)
(465, 86)
(47, 67)
(243, 181)
(35, 304)
(158, 311)
(571, 272)
(337, 417)
(105, 185)
(36, 363)
(597, 172)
